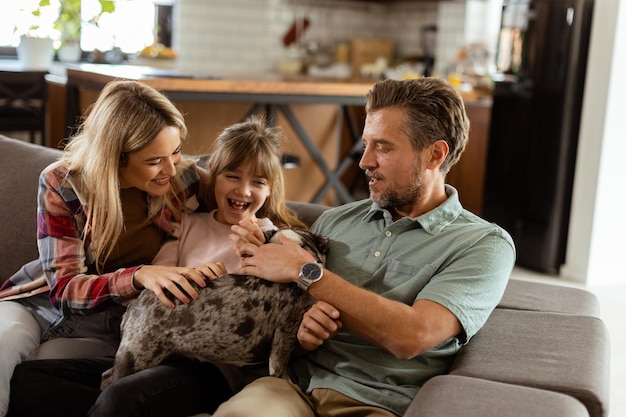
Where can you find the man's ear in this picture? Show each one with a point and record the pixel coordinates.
(437, 152)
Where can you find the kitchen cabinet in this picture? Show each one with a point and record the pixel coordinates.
(56, 132)
(468, 175)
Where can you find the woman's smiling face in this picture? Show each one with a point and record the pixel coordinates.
(151, 168)
(240, 193)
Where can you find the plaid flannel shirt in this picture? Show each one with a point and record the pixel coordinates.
(64, 256)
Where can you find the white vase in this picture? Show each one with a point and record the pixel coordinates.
(35, 53)
(70, 52)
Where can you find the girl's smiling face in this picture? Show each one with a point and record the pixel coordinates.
(240, 193)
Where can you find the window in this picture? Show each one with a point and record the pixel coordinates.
(131, 27)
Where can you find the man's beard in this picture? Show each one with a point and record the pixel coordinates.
(401, 200)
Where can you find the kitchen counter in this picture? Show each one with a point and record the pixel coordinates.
(320, 89)
(271, 94)
(325, 89)
(321, 118)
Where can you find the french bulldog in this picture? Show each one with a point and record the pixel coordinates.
(237, 320)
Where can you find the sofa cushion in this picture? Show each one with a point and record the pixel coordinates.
(452, 395)
(539, 296)
(21, 164)
(558, 352)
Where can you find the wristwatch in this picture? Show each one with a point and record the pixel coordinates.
(310, 272)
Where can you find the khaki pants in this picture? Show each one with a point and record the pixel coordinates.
(276, 397)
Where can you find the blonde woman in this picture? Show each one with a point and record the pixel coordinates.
(104, 209)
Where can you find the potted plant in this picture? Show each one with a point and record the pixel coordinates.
(57, 20)
(69, 23)
(35, 28)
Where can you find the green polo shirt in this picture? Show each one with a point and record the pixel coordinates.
(448, 255)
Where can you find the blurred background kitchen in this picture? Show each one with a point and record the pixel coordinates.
(546, 153)
(223, 36)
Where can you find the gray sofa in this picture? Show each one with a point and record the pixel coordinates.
(543, 352)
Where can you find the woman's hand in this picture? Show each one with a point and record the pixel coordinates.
(174, 279)
(212, 270)
(319, 324)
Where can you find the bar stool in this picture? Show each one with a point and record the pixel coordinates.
(23, 102)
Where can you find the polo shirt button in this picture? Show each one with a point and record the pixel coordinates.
(377, 253)
(387, 233)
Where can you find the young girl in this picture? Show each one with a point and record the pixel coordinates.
(246, 179)
(247, 184)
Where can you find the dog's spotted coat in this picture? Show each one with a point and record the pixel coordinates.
(237, 319)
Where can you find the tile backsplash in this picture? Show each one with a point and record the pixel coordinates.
(234, 36)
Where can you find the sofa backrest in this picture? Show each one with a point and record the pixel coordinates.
(307, 212)
(21, 164)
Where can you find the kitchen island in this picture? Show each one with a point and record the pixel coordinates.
(322, 120)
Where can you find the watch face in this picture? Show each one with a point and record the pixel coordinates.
(311, 271)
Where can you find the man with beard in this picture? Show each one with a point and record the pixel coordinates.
(411, 276)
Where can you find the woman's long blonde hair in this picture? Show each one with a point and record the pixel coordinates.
(252, 141)
(125, 118)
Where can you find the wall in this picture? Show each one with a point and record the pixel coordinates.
(594, 253)
(226, 36)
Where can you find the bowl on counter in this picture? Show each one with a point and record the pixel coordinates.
(289, 66)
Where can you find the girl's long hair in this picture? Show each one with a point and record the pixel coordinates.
(252, 141)
(125, 118)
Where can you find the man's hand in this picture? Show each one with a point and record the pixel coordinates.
(319, 324)
(171, 278)
(278, 262)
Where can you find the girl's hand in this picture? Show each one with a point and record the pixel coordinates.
(212, 270)
(247, 231)
(319, 324)
(174, 279)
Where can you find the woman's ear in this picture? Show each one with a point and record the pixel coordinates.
(123, 159)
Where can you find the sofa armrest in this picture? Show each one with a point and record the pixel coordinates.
(539, 296)
(563, 353)
(451, 395)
